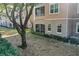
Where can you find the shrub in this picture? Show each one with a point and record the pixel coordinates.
(37, 33)
(66, 39)
(59, 38)
(74, 41)
(48, 36)
(6, 49)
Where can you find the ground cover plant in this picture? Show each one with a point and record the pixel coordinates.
(6, 49)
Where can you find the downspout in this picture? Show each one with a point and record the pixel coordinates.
(34, 19)
(67, 20)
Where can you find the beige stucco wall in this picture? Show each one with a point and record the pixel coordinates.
(67, 12)
(53, 19)
(72, 27)
(62, 12)
(72, 10)
(54, 24)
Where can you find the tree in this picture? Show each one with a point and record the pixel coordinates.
(31, 21)
(21, 25)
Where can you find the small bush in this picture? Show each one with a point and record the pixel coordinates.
(48, 36)
(37, 33)
(59, 38)
(66, 40)
(74, 41)
(6, 49)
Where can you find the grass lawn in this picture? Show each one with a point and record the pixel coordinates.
(7, 31)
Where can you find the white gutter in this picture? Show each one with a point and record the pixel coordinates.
(67, 20)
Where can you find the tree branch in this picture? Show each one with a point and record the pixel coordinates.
(17, 26)
(20, 14)
(26, 9)
(28, 16)
(5, 5)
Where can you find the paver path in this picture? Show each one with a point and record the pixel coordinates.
(42, 46)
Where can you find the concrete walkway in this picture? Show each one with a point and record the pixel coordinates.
(5, 36)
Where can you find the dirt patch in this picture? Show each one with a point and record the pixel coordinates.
(41, 46)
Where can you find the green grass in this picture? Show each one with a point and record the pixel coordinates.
(28, 30)
(6, 49)
(6, 31)
(4, 28)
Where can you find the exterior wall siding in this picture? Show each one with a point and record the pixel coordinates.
(67, 16)
(54, 24)
(72, 27)
(53, 19)
(72, 10)
(73, 16)
(62, 13)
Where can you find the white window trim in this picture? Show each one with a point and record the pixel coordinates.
(49, 31)
(41, 5)
(58, 32)
(51, 28)
(58, 8)
(77, 27)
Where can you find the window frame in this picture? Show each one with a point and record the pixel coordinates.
(37, 26)
(58, 8)
(41, 28)
(77, 24)
(39, 7)
(57, 29)
(50, 27)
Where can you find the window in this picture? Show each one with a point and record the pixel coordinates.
(37, 28)
(59, 27)
(54, 8)
(6, 22)
(49, 27)
(77, 27)
(40, 11)
(10, 25)
(16, 16)
(40, 28)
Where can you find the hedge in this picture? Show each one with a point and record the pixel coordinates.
(6, 49)
(59, 38)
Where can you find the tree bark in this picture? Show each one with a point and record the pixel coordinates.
(23, 38)
(22, 26)
(32, 27)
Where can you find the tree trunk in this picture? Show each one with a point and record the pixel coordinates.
(23, 37)
(32, 27)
